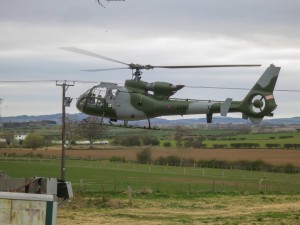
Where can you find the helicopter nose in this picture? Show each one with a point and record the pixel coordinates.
(80, 102)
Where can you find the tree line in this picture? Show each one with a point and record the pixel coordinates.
(144, 157)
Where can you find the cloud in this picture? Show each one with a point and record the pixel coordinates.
(169, 32)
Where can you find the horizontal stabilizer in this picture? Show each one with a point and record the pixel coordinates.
(225, 106)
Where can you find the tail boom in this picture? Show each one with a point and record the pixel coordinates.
(258, 103)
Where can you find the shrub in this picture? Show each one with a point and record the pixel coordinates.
(173, 160)
(167, 144)
(289, 168)
(130, 141)
(144, 156)
(34, 141)
(3, 145)
(147, 140)
(117, 159)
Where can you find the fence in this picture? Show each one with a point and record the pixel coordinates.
(115, 177)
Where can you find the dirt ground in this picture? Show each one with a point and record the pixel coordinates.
(271, 156)
(218, 209)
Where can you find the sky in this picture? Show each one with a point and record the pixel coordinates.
(156, 32)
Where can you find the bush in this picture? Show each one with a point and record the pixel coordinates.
(147, 140)
(271, 145)
(167, 144)
(3, 145)
(34, 141)
(144, 156)
(117, 159)
(127, 141)
(194, 143)
(173, 160)
(289, 168)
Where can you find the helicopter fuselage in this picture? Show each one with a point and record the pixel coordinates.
(126, 103)
(139, 100)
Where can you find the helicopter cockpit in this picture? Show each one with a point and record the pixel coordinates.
(97, 96)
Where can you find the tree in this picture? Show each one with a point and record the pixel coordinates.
(148, 140)
(180, 133)
(33, 141)
(91, 129)
(144, 156)
(8, 136)
(71, 128)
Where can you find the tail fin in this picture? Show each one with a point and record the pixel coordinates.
(260, 101)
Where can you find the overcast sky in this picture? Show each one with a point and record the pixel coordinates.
(156, 32)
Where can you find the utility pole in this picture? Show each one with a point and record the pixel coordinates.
(0, 114)
(66, 101)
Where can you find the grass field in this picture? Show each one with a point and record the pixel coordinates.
(165, 194)
(171, 195)
(280, 138)
(204, 209)
(95, 176)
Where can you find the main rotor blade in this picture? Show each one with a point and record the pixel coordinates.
(205, 66)
(44, 81)
(85, 52)
(99, 70)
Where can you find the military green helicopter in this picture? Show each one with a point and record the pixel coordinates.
(140, 100)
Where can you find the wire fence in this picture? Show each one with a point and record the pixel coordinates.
(116, 177)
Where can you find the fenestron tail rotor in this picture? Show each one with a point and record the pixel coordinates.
(257, 103)
(137, 68)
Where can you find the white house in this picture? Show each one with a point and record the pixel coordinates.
(20, 137)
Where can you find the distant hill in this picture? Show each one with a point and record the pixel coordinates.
(53, 117)
(156, 121)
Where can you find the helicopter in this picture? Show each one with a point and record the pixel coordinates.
(141, 100)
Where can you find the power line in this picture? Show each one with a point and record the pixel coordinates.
(244, 89)
(97, 82)
(47, 81)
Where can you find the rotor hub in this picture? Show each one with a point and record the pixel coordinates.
(258, 103)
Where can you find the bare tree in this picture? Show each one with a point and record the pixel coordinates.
(180, 133)
(8, 136)
(91, 129)
(70, 129)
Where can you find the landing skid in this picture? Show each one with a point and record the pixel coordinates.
(125, 125)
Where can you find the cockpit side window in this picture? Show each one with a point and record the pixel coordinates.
(111, 92)
(95, 96)
(100, 94)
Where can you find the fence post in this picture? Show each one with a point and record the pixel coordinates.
(130, 195)
(115, 186)
(223, 190)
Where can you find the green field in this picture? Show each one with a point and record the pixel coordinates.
(280, 138)
(212, 137)
(165, 194)
(113, 177)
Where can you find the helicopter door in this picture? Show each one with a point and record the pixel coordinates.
(111, 93)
